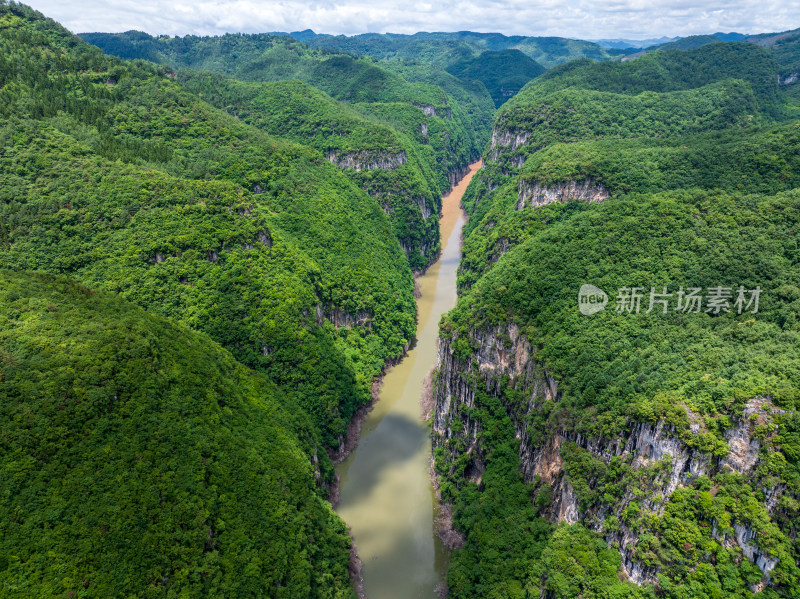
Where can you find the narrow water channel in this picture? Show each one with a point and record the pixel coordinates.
(386, 495)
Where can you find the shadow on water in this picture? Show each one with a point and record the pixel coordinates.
(386, 495)
(398, 439)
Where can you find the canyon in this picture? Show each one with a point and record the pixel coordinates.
(385, 491)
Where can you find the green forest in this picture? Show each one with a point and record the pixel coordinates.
(695, 153)
(424, 132)
(503, 72)
(208, 252)
(444, 48)
(288, 274)
(221, 499)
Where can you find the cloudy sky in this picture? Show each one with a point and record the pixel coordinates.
(587, 19)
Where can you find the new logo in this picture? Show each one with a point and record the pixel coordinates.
(591, 299)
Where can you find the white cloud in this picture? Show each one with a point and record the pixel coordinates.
(587, 19)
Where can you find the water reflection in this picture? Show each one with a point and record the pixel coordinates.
(386, 494)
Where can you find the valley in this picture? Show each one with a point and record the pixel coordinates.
(386, 495)
(299, 315)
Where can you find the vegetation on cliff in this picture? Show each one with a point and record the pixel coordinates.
(353, 79)
(403, 137)
(689, 194)
(400, 172)
(124, 180)
(207, 247)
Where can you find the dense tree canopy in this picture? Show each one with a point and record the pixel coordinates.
(698, 187)
(138, 458)
(206, 256)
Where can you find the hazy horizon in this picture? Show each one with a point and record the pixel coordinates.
(620, 19)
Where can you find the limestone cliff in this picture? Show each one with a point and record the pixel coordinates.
(444, 112)
(365, 160)
(340, 318)
(457, 174)
(506, 140)
(657, 454)
(533, 193)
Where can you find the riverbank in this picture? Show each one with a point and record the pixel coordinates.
(450, 214)
(385, 491)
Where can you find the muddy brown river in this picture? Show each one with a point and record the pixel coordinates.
(386, 495)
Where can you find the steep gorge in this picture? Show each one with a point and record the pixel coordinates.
(386, 494)
(654, 450)
(632, 452)
(403, 142)
(274, 229)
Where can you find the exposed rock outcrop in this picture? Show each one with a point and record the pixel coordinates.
(791, 78)
(427, 109)
(444, 112)
(502, 355)
(534, 194)
(341, 318)
(366, 160)
(457, 174)
(424, 208)
(508, 139)
(424, 250)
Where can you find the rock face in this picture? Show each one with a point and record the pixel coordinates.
(412, 215)
(367, 161)
(789, 79)
(503, 354)
(424, 249)
(457, 174)
(424, 208)
(444, 112)
(340, 318)
(535, 194)
(506, 139)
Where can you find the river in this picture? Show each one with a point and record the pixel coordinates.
(386, 495)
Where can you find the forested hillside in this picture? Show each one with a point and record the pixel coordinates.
(751, 160)
(258, 242)
(503, 64)
(503, 73)
(266, 57)
(207, 258)
(396, 169)
(445, 48)
(120, 178)
(785, 47)
(648, 448)
(407, 141)
(139, 459)
(664, 121)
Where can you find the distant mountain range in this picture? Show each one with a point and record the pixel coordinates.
(498, 39)
(446, 47)
(622, 44)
